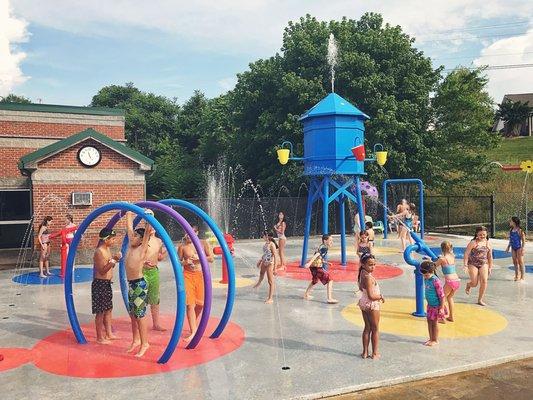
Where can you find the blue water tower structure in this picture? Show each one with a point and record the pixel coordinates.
(334, 159)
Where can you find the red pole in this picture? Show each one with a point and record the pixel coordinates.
(224, 271)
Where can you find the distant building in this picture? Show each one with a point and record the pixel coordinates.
(58, 159)
(527, 126)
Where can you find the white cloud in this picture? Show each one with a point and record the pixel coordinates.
(515, 50)
(12, 31)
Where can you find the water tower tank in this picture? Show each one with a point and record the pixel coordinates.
(331, 128)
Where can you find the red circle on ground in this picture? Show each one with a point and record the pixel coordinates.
(60, 354)
(339, 273)
(14, 357)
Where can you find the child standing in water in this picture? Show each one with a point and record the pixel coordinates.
(280, 227)
(318, 267)
(266, 264)
(452, 282)
(435, 299)
(517, 242)
(369, 303)
(364, 245)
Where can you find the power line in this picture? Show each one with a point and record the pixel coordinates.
(508, 24)
(472, 37)
(493, 67)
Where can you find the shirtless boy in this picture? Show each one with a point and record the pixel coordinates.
(138, 288)
(194, 279)
(101, 291)
(156, 252)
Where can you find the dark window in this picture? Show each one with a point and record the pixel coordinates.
(15, 205)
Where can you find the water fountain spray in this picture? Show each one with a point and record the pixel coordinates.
(333, 52)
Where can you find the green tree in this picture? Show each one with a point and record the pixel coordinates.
(462, 129)
(13, 98)
(514, 114)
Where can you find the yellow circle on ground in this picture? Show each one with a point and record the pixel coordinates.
(470, 320)
(239, 282)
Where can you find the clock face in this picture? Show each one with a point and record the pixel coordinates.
(89, 156)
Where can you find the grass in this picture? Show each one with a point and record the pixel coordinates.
(513, 150)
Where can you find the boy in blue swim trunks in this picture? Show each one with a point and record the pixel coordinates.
(138, 287)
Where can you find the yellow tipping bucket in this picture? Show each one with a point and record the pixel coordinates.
(381, 157)
(283, 156)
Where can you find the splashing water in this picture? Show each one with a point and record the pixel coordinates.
(333, 52)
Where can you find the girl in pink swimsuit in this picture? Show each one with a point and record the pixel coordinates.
(369, 303)
(478, 261)
(452, 282)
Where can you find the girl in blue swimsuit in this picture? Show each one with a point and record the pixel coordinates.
(517, 241)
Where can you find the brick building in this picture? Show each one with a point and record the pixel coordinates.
(63, 159)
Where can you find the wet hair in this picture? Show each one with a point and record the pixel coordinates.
(284, 217)
(70, 217)
(412, 207)
(362, 261)
(427, 267)
(446, 247)
(270, 236)
(364, 233)
(369, 225)
(480, 229)
(45, 222)
(140, 232)
(516, 221)
(106, 233)
(325, 238)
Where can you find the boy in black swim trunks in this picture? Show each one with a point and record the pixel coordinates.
(318, 267)
(101, 292)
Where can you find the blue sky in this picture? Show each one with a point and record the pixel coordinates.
(63, 52)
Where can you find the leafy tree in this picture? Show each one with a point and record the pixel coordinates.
(514, 114)
(462, 128)
(13, 98)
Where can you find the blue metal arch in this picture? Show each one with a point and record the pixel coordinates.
(226, 253)
(178, 274)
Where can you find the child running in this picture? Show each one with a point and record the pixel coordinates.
(369, 303)
(451, 280)
(435, 299)
(517, 242)
(101, 291)
(364, 245)
(138, 287)
(318, 265)
(266, 264)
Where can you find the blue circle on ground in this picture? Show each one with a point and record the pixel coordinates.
(460, 252)
(529, 268)
(81, 274)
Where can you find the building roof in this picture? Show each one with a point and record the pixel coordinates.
(29, 161)
(54, 108)
(333, 104)
(521, 97)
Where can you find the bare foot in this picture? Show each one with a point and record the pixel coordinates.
(450, 319)
(467, 290)
(158, 328)
(112, 337)
(426, 342)
(333, 301)
(255, 286)
(103, 341)
(432, 343)
(42, 276)
(376, 356)
(269, 301)
(515, 278)
(364, 355)
(308, 297)
(481, 303)
(189, 338)
(133, 346)
(48, 273)
(442, 321)
(142, 350)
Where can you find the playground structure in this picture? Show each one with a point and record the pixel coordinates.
(164, 206)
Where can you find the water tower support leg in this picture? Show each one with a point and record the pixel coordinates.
(359, 199)
(309, 211)
(343, 229)
(325, 206)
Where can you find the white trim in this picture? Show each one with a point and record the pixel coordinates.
(16, 222)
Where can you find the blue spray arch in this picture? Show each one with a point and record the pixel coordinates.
(176, 266)
(226, 253)
(202, 325)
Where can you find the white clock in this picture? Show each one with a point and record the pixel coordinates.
(89, 156)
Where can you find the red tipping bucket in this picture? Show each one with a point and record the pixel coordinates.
(359, 152)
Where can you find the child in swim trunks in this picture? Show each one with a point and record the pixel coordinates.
(452, 282)
(138, 288)
(318, 267)
(517, 242)
(266, 264)
(435, 300)
(101, 291)
(369, 303)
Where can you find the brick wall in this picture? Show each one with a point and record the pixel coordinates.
(57, 130)
(9, 159)
(69, 158)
